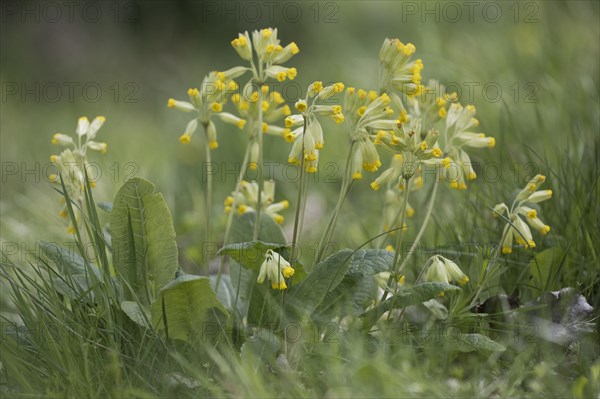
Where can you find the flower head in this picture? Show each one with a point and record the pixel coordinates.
(207, 102)
(445, 271)
(246, 200)
(522, 216)
(72, 162)
(398, 69)
(307, 134)
(276, 269)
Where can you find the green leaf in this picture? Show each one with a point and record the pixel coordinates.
(136, 313)
(242, 229)
(67, 261)
(325, 277)
(250, 254)
(472, 342)
(225, 293)
(76, 287)
(541, 267)
(143, 240)
(105, 206)
(187, 309)
(408, 296)
(262, 347)
(368, 262)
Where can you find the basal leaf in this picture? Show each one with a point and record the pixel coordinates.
(143, 240)
(408, 296)
(472, 342)
(188, 309)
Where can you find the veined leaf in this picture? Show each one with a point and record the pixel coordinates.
(105, 206)
(325, 277)
(358, 288)
(472, 342)
(187, 309)
(68, 262)
(250, 254)
(368, 262)
(136, 313)
(408, 296)
(143, 240)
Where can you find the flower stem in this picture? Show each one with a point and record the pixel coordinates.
(299, 200)
(259, 164)
(231, 212)
(424, 225)
(328, 233)
(208, 186)
(395, 267)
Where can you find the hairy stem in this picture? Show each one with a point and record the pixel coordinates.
(395, 266)
(328, 233)
(424, 225)
(209, 187)
(259, 165)
(299, 200)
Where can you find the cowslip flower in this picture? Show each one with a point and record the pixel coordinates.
(276, 269)
(269, 53)
(272, 105)
(367, 114)
(307, 136)
(458, 135)
(207, 102)
(431, 105)
(397, 68)
(445, 271)
(521, 216)
(245, 200)
(71, 162)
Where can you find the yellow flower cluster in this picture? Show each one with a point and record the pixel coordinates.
(208, 101)
(276, 269)
(246, 200)
(445, 271)
(517, 230)
(70, 163)
(460, 121)
(272, 105)
(307, 136)
(398, 69)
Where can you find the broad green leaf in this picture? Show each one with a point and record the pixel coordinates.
(242, 229)
(368, 262)
(358, 288)
(472, 342)
(105, 206)
(136, 313)
(187, 309)
(408, 296)
(262, 347)
(143, 240)
(541, 268)
(67, 261)
(250, 254)
(264, 309)
(225, 293)
(325, 277)
(76, 287)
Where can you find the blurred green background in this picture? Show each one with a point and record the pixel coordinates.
(531, 68)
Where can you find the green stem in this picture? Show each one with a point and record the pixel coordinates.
(424, 225)
(231, 212)
(209, 181)
(395, 266)
(299, 200)
(324, 242)
(259, 164)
